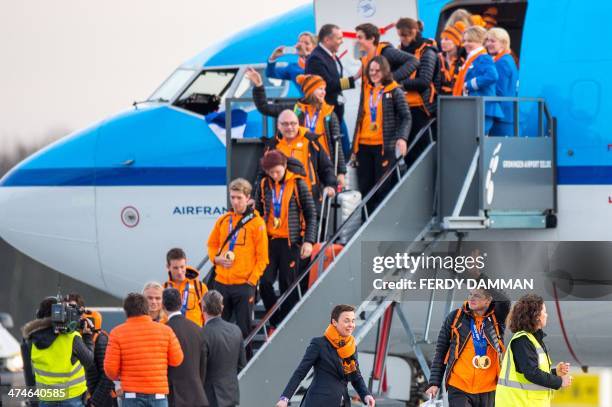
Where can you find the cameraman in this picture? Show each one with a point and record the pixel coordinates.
(100, 389)
(55, 361)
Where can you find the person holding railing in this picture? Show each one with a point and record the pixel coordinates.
(382, 129)
(334, 359)
(238, 247)
(289, 212)
(498, 45)
(313, 113)
(478, 75)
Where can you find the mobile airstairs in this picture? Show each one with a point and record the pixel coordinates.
(463, 181)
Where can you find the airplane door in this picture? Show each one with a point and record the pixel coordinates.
(348, 14)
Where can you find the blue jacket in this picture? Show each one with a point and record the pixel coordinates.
(289, 72)
(507, 85)
(329, 385)
(480, 80)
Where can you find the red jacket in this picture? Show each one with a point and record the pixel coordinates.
(139, 353)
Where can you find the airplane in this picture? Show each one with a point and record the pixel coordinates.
(104, 204)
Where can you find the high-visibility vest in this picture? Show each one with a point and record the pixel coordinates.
(53, 369)
(513, 389)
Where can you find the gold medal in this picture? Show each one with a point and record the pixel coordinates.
(373, 126)
(476, 362)
(276, 222)
(484, 362)
(229, 255)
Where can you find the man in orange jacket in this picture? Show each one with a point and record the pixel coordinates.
(239, 259)
(186, 280)
(139, 352)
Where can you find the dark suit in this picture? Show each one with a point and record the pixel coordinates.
(329, 385)
(321, 63)
(186, 381)
(225, 357)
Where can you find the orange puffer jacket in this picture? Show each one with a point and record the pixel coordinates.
(139, 353)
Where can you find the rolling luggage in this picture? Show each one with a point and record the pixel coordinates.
(331, 252)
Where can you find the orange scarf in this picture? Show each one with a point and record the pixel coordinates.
(501, 54)
(346, 348)
(458, 88)
(311, 111)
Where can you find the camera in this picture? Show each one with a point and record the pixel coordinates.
(66, 317)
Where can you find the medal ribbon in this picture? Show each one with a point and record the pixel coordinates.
(478, 338)
(185, 299)
(311, 123)
(374, 105)
(276, 200)
(232, 241)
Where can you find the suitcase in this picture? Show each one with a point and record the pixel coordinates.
(351, 181)
(345, 203)
(330, 252)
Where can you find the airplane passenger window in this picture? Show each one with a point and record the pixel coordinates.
(205, 93)
(172, 85)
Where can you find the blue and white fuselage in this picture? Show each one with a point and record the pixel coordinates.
(104, 204)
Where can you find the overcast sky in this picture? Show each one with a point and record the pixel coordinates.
(68, 63)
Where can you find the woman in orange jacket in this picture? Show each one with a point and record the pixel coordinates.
(288, 209)
(382, 129)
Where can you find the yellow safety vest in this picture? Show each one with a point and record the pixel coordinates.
(53, 370)
(513, 389)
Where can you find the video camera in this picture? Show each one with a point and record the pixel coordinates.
(66, 317)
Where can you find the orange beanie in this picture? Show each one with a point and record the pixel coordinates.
(310, 83)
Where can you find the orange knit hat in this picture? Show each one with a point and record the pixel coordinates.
(310, 83)
(454, 33)
(476, 19)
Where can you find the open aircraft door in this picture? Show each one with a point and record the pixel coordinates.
(348, 14)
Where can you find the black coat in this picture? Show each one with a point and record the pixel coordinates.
(99, 385)
(396, 119)
(402, 64)
(427, 74)
(224, 353)
(323, 173)
(445, 344)
(526, 362)
(186, 381)
(329, 385)
(300, 207)
(332, 125)
(321, 63)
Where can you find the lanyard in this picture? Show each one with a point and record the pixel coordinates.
(478, 338)
(185, 299)
(374, 105)
(311, 123)
(232, 241)
(276, 200)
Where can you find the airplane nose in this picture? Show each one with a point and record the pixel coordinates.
(50, 218)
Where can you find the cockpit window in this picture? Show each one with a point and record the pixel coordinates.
(172, 85)
(204, 95)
